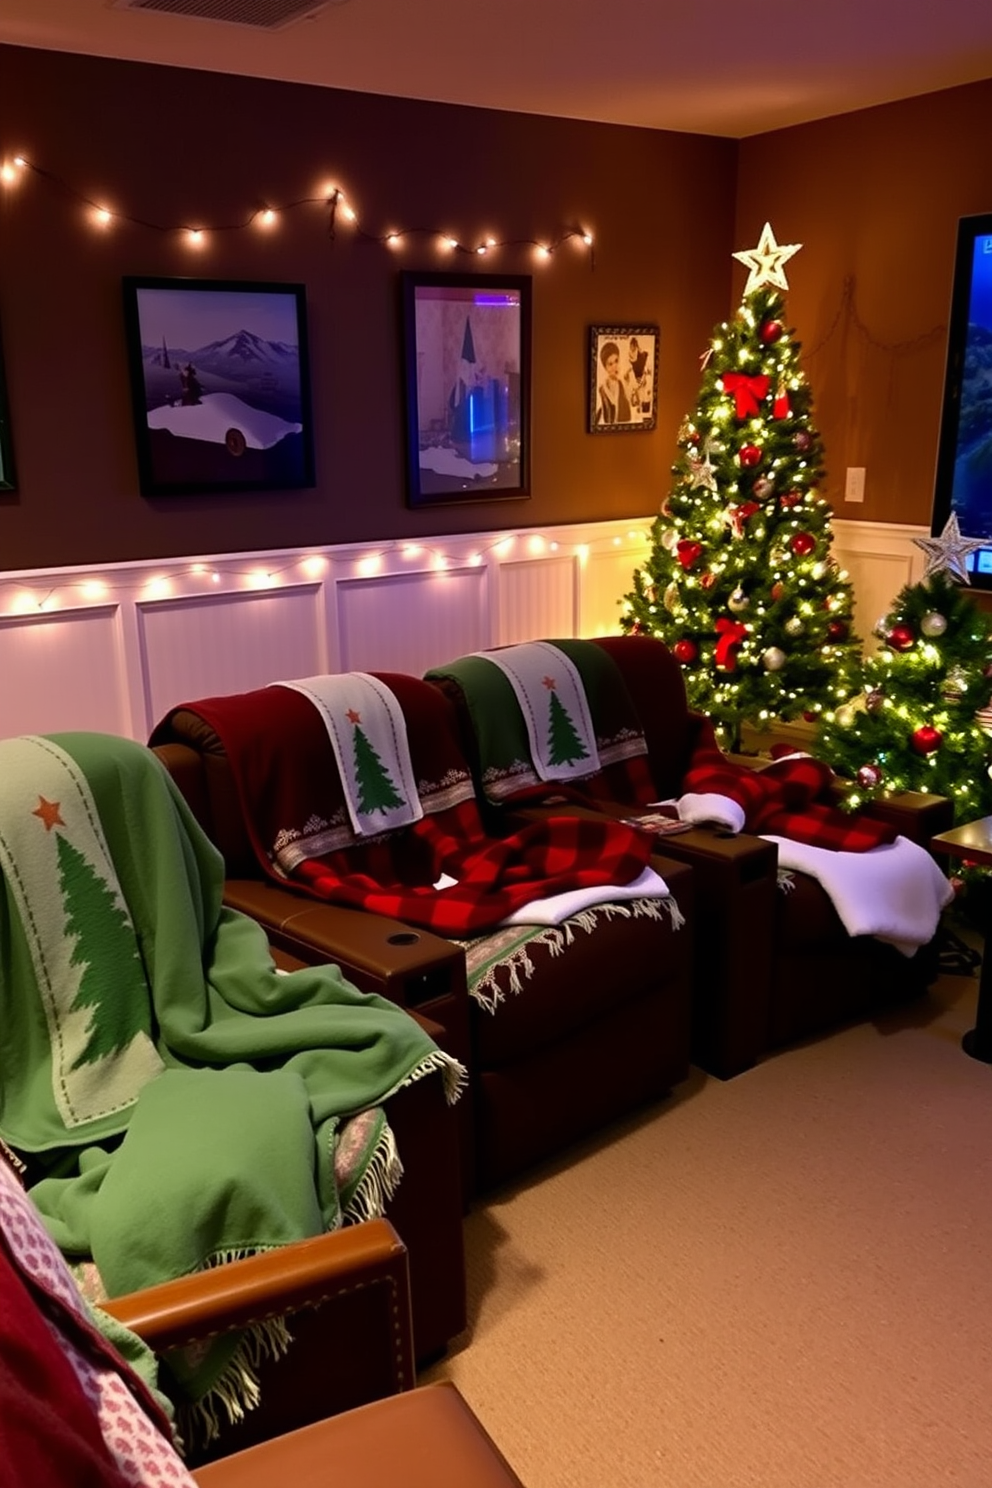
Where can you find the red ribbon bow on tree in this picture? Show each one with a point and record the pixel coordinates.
(748, 391)
(730, 633)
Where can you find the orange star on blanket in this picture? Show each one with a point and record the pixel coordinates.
(48, 811)
(352, 716)
(549, 683)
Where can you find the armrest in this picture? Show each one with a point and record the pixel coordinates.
(277, 1283)
(917, 814)
(346, 1296)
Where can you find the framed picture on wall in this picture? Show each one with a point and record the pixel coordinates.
(467, 368)
(220, 385)
(7, 478)
(623, 378)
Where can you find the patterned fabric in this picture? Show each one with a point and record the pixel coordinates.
(508, 772)
(141, 1017)
(552, 702)
(74, 1414)
(292, 800)
(791, 798)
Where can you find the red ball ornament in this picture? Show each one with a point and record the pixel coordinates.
(801, 440)
(837, 630)
(750, 455)
(685, 651)
(803, 544)
(688, 552)
(790, 498)
(900, 638)
(869, 776)
(769, 332)
(778, 590)
(926, 739)
(707, 580)
(809, 716)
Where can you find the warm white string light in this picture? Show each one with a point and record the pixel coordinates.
(18, 598)
(330, 197)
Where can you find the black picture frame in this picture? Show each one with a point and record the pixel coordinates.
(8, 478)
(628, 402)
(467, 345)
(220, 384)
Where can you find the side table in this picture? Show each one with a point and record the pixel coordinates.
(973, 842)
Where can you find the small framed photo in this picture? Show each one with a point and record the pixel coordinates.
(467, 362)
(8, 481)
(220, 385)
(623, 378)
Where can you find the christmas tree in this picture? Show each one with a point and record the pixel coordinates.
(376, 791)
(740, 583)
(564, 744)
(921, 718)
(105, 947)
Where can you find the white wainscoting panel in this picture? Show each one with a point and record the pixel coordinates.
(63, 670)
(409, 622)
(880, 559)
(538, 597)
(218, 643)
(112, 648)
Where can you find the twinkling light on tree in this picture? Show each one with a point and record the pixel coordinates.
(741, 583)
(920, 718)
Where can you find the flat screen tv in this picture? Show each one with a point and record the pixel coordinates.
(964, 455)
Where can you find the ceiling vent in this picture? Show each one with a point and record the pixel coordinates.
(264, 15)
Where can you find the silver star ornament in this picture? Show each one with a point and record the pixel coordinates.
(949, 552)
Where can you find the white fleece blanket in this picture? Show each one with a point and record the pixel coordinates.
(367, 730)
(895, 892)
(551, 911)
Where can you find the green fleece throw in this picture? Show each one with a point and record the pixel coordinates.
(183, 1102)
(506, 728)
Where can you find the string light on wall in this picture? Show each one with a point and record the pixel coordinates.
(187, 580)
(330, 197)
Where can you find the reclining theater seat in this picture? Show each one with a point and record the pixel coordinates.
(351, 1404)
(773, 964)
(202, 981)
(568, 1026)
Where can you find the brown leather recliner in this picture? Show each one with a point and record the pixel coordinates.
(584, 1027)
(771, 967)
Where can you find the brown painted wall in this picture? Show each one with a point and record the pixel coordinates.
(170, 147)
(875, 198)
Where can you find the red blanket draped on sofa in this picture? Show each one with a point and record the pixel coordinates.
(293, 802)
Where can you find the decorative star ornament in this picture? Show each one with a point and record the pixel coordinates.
(949, 552)
(702, 472)
(765, 263)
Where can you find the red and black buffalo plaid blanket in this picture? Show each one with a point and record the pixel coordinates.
(293, 803)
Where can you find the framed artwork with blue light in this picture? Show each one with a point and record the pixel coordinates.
(466, 341)
(220, 385)
(623, 378)
(7, 479)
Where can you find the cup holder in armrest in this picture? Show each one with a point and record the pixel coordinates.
(403, 937)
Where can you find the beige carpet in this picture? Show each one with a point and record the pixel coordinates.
(784, 1280)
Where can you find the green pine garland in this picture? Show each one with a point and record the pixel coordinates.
(740, 582)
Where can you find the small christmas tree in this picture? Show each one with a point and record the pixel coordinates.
(740, 583)
(376, 791)
(564, 744)
(105, 947)
(921, 718)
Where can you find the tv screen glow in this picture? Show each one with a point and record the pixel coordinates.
(964, 458)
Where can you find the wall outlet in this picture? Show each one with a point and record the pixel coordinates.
(854, 488)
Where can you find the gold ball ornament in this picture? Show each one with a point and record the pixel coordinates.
(738, 601)
(670, 598)
(845, 715)
(794, 626)
(773, 660)
(933, 624)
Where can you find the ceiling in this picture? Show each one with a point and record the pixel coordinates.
(723, 67)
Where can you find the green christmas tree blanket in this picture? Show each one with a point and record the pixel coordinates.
(178, 1101)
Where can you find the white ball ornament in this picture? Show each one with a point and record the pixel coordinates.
(669, 538)
(773, 660)
(794, 626)
(738, 601)
(933, 624)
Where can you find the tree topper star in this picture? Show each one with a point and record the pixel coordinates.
(764, 263)
(949, 552)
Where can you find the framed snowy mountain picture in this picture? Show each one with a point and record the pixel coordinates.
(467, 361)
(220, 385)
